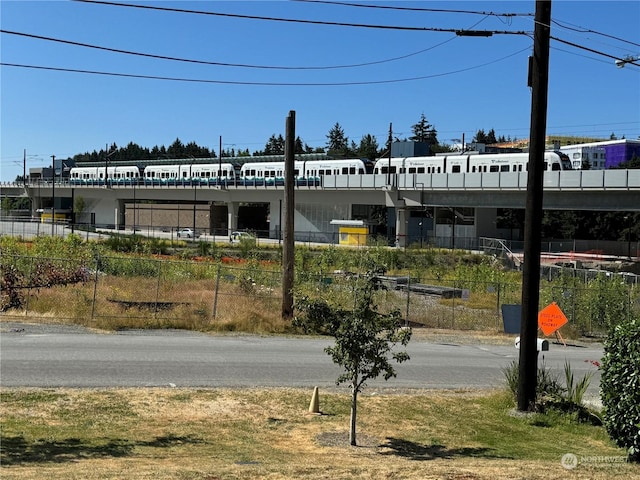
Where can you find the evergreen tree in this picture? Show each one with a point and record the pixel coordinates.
(338, 143)
(480, 137)
(491, 137)
(423, 131)
(275, 145)
(176, 150)
(368, 147)
(300, 147)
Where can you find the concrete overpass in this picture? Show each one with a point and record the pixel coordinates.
(335, 196)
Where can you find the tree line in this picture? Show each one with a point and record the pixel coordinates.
(338, 145)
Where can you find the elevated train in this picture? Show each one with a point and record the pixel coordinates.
(471, 163)
(308, 172)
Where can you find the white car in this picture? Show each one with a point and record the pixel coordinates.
(237, 237)
(185, 233)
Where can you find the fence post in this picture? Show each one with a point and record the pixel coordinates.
(406, 320)
(155, 307)
(26, 303)
(95, 288)
(215, 296)
(498, 308)
(453, 306)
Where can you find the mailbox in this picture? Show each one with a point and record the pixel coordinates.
(543, 345)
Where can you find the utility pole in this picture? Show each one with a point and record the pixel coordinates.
(538, 81)
(288, 243)
(24, 168)
(53, 195)
(106, 164)
(219, 162)
(390, 141)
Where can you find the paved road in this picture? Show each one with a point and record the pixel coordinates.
(37, 356)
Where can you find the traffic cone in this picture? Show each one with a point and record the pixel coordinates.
(314, 406)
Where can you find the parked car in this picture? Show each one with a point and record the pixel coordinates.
(237, 237)
(185, 233)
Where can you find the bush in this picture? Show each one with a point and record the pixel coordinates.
(620, 386)
(547, 384)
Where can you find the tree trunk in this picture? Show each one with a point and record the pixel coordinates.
(354, 411)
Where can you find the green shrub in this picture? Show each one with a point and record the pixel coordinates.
(547, 384)
(620, 386)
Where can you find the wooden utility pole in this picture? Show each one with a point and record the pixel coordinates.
(288, 244)
(390, 142)
(538, 81)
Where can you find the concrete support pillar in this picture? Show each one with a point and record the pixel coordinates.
(275, 219)
(232, 216)
(401, 227)
(119, 215)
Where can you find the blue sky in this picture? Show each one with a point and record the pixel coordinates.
(461, 84)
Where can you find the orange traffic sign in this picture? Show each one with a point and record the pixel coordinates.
(551, 318)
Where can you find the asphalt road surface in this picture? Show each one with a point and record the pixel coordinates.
(48, 356)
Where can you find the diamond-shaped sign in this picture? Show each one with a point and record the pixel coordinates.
(551, 318)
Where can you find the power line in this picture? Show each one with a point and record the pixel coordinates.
(613, 57)
(459, 32)
(291, 20)
(579, 29)
(272, 84)
(222, 64)
(416, 9)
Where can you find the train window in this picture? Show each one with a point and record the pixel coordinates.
(504, 168)
(455, 169)
(493, 168)
(420, 169)
(439, 170)
(546, 166)
(555, 166)
(412, 169)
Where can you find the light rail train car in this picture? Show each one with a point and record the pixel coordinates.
(124, 175)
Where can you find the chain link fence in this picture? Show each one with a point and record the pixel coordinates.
(246, 295)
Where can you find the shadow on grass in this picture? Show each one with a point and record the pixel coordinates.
(19, 451)
(417, 451)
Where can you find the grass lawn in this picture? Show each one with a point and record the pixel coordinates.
(268, 433)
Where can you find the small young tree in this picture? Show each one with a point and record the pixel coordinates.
(364, 340)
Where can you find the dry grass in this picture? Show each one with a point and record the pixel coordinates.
(225, 306)
(141, 302)
(220, 434)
